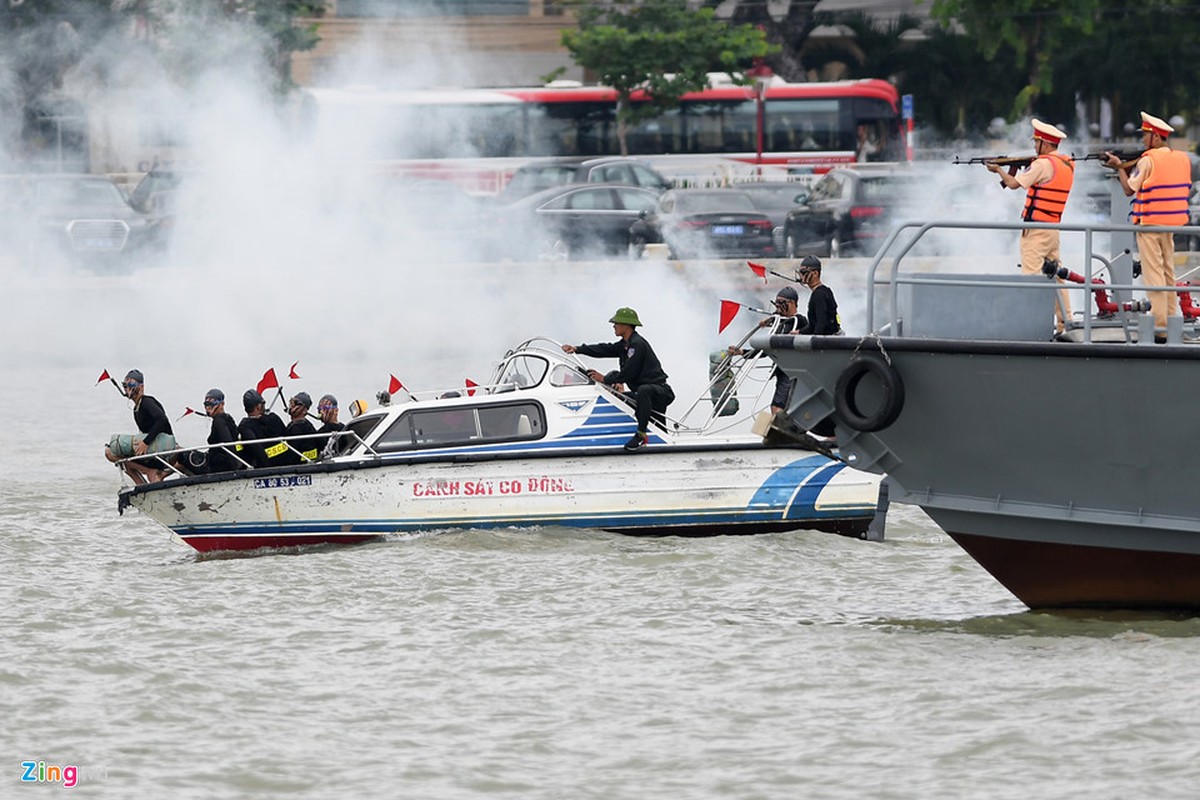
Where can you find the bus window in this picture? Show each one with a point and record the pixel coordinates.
(657, 135)
(883, 127)
(571, 129)
(807, 124)
(721, 126)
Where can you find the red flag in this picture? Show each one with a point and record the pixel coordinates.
(186, 410)
(292, 372)
(104, 376)
(394, 385)
(471, 387)
(269, 381)
(729, 310)
(758, 269)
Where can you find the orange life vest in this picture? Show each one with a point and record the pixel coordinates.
(1163, 198)
(1044, 202)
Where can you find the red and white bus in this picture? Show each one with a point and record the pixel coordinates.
(806, 126)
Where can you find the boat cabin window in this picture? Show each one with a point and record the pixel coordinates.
(362, 427)
(524, 371)
(462, 425)
(562, 375)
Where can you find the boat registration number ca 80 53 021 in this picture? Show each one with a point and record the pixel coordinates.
(283, 481)
(728, 230)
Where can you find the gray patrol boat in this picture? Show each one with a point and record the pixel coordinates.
(1063, 467)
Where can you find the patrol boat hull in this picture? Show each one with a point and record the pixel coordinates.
(1064, 469)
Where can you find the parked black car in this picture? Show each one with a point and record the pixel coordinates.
(775, 199)
(546, 173)
(568, 222)
(74, 219)
(695, 223)
(848, 212)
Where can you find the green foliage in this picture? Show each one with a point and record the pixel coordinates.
(659, 46)
(1035, 30)
(44, 39)
(1138, 55)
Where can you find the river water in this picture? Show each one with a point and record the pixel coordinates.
(541, 663)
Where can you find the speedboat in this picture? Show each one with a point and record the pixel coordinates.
(541, 444)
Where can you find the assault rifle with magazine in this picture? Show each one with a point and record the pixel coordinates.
(1128, 157)
(1013, 163)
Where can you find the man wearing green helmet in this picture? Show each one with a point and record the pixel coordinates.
(639, 370)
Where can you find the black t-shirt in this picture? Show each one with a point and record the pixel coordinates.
(301, 427)
(822, 313)
(268, 426)
(151, 419)
(224, 429)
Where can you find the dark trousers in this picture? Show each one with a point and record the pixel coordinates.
(783, 389)
(651, 400)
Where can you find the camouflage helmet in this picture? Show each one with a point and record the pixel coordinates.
(626, 316)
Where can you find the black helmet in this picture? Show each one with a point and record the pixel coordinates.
(251, 399)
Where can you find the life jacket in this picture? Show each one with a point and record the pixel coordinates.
(1044, 202)
(1163, 198)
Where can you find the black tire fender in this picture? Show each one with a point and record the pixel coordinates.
(845, 401)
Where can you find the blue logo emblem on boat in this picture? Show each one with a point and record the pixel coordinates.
(573, 405)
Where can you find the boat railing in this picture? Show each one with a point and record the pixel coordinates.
(720, 400)
(916, 231)
(170, 460)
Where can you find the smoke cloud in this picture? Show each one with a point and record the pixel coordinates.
(286, 249)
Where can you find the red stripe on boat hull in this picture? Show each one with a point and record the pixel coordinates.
(209, 544)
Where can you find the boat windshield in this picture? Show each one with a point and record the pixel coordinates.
(567, 376)
(362, 427)
(524, 371)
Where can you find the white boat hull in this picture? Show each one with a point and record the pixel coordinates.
(674, 491)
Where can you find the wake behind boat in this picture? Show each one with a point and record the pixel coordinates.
(540, 444)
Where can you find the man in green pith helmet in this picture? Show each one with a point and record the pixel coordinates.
(639, 370)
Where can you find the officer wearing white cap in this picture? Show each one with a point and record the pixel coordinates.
(1159, 184)
(1047, 183)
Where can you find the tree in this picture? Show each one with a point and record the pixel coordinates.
(1036, 30)
(787, 31)
(659, 47)
(876, 50)
(42, 42)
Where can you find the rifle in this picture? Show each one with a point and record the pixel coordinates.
(1013, 163)
(1128, 157)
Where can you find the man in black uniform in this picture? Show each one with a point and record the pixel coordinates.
(639, 370)
(786, 319)
(822, 319)
(151, 420)
(260, 424)
(223, 430)
(299, 425)
(822, 307)
(327, 408)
